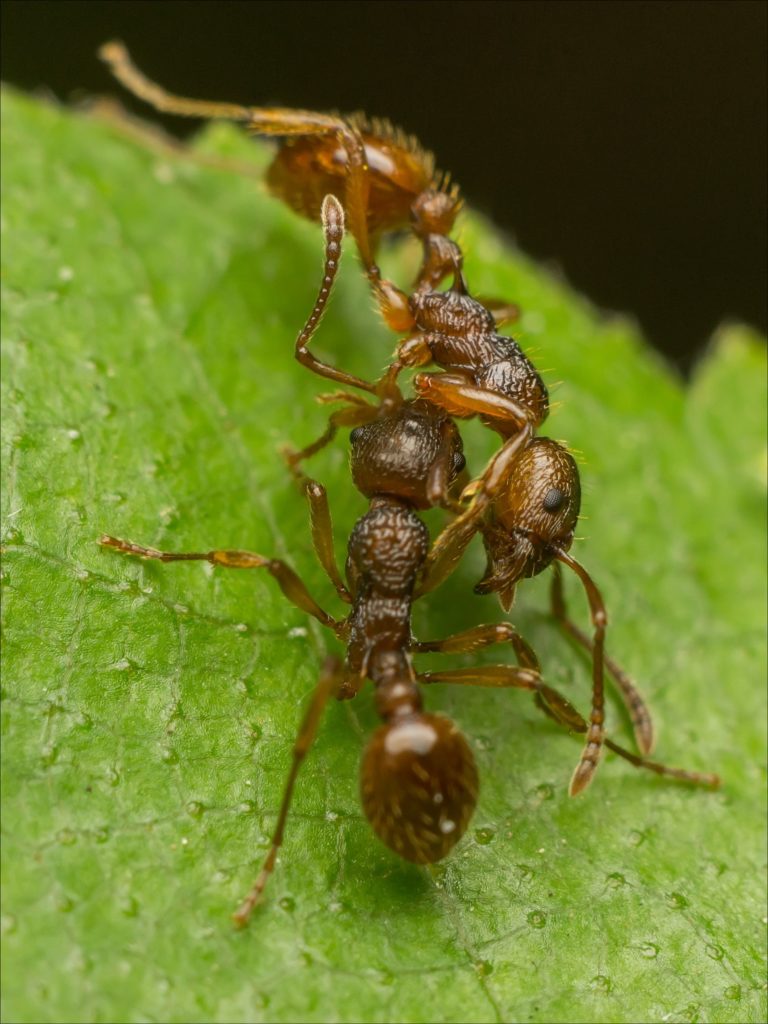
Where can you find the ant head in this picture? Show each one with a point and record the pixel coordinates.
(393, 455)
(433, 212)
(419, 785)
(534, 515)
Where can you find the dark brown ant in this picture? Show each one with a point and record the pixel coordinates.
(418, 777)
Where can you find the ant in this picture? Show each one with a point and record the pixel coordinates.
(419, 781)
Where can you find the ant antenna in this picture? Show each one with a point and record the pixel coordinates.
(125, 71)
(332, 216)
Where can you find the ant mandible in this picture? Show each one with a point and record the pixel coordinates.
(418, 776)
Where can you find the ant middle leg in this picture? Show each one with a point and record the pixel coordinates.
(639, 712)
(289, 582)
(473, 639)
(559, 709)
(330, 682)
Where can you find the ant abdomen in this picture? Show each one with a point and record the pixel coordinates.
(306, 168)
(419, 785)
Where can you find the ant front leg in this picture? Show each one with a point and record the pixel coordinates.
(559, 709)
(291, 585)
(321, 527)
(639, 712)
(442, 469)
(330, 682)
(458, 397)
(355, 414)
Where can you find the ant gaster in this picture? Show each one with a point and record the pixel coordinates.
(418, 776)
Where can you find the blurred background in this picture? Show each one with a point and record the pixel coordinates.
(623, 143)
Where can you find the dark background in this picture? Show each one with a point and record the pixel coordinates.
(624, 142)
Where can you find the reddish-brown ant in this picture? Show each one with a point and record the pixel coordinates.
(418, 775)
(384, 178)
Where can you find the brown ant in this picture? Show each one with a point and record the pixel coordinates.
(418, 776)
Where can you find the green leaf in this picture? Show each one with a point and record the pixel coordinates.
(149, 313)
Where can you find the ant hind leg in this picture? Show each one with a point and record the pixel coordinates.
(559, 709)
(639, 712)
(331, 679)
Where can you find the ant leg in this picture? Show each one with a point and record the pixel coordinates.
(279, 121)
(321, 527)
(639, 712)
(352, 416)
(556, 707)
(459, 397)
(290, 584)
(482, 636)
(590, 756)
(454, 539)
(156, 140)
(439, 477)
(445, 553)
(331, 677)
(411, 351)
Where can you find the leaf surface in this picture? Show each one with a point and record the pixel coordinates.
(150, 306)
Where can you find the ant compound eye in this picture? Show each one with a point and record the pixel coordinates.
(554, 499)
(459, 462)
(419, 786)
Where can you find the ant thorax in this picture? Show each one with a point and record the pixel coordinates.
(451, 313)
(459, 334)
